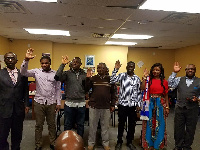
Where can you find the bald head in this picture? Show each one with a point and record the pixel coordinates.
(69, 140)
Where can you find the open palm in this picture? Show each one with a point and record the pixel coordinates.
(177, 67)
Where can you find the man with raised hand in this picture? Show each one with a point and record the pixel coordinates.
(47, 99)
(74, 79)
(129, 98)
(187, 109)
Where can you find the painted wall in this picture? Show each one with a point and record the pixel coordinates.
(106, 54)
(4, 45)
(188, 55)
(20, 47)
(151, 56)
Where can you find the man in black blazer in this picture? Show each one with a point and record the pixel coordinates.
(14, 102)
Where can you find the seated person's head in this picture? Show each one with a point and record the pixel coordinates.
(69, 140)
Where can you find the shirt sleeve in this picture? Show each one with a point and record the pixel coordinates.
(60, 75)
(139, 93)
(58, 92)
(88, 83)
(115, 78)
(113, 95)
(173, 81)
(24, 70)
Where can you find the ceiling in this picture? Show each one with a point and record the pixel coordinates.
(93, 21)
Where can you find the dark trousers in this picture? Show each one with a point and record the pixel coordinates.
(15, 124)
(74, 115)
(185, 121)
(123, 113)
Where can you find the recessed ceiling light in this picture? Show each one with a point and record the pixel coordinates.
(172, 5)
(47, 1)
(49, 32)
(120, 43)
(129, 36)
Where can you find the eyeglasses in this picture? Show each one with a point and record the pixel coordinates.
(190, 69)
(8, 58)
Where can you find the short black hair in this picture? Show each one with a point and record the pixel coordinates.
(130, 62)
(77, 58)
(45, 57)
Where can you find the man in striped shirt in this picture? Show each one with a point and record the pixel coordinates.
(129, 98)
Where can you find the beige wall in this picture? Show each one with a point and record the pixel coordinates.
(151, 56)
(188, 55)
(20, 46)
(106, 54)
(4, 45)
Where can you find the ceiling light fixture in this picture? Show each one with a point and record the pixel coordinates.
(120, 43)
(46, 31)
(129, 36)
(46, 1)
(191, 6)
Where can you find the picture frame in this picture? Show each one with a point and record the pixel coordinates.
(89, 61)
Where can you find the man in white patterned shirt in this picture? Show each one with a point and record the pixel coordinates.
(129, 98)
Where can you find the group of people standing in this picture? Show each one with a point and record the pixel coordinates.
(150, 96)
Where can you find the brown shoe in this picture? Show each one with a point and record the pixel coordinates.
(106, 148)
(90, 147)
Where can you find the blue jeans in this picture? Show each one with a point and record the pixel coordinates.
(74, 115)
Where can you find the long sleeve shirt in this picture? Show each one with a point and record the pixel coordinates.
(103, 93)
(48, 90)
(129, 93)
(74, 86)
(173, 81)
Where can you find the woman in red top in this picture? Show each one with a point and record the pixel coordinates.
(154, 129)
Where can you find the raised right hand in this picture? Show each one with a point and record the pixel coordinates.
(65, 60)
(146, 73)
(177, 67)
(29, 54)
(89, 72)
(117, 64)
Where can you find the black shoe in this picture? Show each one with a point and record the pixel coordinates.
(118, 146)
(131, 146)
(38, 148)
(52, 147)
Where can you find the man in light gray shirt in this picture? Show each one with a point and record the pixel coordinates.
(47, 98)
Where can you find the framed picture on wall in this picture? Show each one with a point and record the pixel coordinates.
(89, 61)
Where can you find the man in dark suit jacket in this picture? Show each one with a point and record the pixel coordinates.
(14, 100)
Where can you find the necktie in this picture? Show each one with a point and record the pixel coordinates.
(12, 76)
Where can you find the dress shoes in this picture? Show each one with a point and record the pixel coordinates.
(131, 146)
(118, 146)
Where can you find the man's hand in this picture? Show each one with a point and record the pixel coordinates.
(29, 54)
(166, 112)
(117, 64)
(177, 67)
(146, 73)
(194, 99)
(57, 108)
(27, 110)
(65, 60)
(112, 109)
(89, 72)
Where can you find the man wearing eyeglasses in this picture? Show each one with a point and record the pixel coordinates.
(187, 109)
(14, 102)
